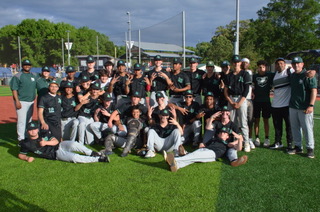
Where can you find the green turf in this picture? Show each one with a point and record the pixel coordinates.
(271, 181)
(5, 91)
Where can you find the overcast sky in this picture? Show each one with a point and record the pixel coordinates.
(109, 17)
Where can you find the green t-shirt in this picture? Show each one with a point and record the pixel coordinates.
(262, 87)
(42, 86)
(300, 90)
(25, 85)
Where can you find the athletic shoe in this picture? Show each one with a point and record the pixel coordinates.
(182, 151)
(240, 161)
(150, 154)
(104, 158)
(266, 142)
(257, 142)
(310, 153)
(252, 146)
(296, 150)
(247, 147)
(169, 157)
(276, 146)
(95, 154)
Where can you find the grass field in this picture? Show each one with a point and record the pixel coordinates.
(270, 181)
(5, 91)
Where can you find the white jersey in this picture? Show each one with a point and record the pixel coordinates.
(282, 89)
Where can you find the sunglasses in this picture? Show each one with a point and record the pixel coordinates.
(189, 96)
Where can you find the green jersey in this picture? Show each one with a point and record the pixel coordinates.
(301, 87)
(25, 85)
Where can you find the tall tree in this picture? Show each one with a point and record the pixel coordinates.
(287, 25)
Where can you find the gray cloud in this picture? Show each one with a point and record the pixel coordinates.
(109, 17)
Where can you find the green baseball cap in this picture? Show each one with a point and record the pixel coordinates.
(26, 62)
(297, 60)
(210, 63)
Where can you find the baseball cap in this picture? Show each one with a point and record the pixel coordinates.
(225, 108)
(26, 62)
(137, 66)
(108, 62)
(188, 92)
(225, 63)
(246, 60)
(32, 125)
(209, 93)
(157, 57)
(70, 69)
(177, 60)
(225, 129)
(297, 60)
(164, 112)
(85, 78)
(90, 59)
(69, 85)
(54, 82)
(159, 95)
(280, 59)
(210, 63)
(193, 60)
(95, 86)
(136, 94)
(107, 97)
(121, 63)
(45, 68)
(236, 58)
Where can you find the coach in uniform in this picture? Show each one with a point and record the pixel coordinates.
(23, 87)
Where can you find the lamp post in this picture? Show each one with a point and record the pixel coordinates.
(129, 34)
(68, 47)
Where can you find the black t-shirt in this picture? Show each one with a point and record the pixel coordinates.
(180, 80)
(196, 80)
(103, 118)
(30, 145)
(164, 132)
(93, 75)
(119, 87)
(193, 111)
(51, 107)
(159, 83)
(68, 105)
(218, 146)
(217, 125)
(87, 110)
(138, 84)
(212, 84)
(208, 111)
(238, 84)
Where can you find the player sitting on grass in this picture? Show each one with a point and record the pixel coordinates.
(213, 150)
(49, 147)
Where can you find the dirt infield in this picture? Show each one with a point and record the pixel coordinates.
(8, 111)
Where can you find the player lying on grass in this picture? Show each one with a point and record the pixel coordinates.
(49, 147)
(213, 150)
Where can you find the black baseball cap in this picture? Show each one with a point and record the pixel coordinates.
(137, 66)
(157, 57)
(136, 94)
(224, 63)
(177, 60)
(225, 129)
(95, 86)
(107, 97)
(32, 126)
(188, 92)
(159, 95)
(193, 60)
(121, 63)
(69, 85)
(164, 112)
(85, 78)
(70, 69)
(225, 108)
(280, 59)
(26, 62)
(45, 68)
(236, 58)
(209, 93)
(90, 59)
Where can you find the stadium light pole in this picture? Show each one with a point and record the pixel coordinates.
(68, 46)
(236, 43)
(129, 34)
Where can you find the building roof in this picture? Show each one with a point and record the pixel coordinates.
(162, 47)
